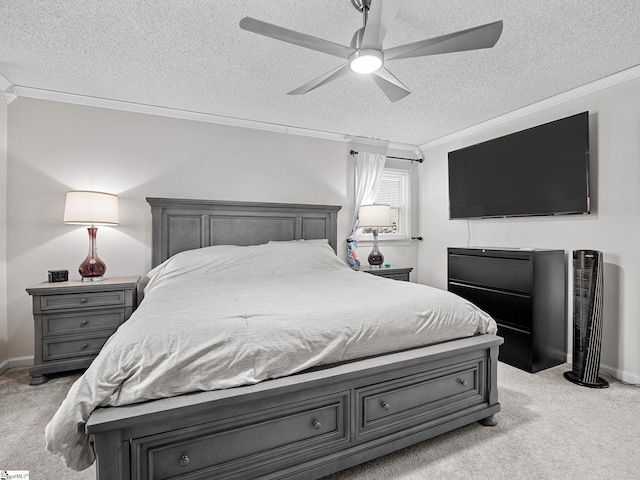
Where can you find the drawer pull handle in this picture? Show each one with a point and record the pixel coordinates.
(83, 300)
(184, 460)
(317, 425)
(84, 323)
(464, 383)
(84, 346)
(386, 406)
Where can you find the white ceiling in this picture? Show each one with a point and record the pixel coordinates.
(191, 55)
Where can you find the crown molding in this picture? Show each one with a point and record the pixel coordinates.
(4, 83)
(589, 88)
(8, 90)
(200, 117)
(11, 92)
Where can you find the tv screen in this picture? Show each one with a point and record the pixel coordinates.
(543, 170)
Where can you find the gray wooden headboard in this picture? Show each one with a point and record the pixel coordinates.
(183, 224)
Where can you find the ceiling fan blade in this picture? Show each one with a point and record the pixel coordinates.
(321, 80)
(483, 36)
(379, 19)
(393, 88)
(297, 38)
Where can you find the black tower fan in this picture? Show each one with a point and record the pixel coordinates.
(587, 319)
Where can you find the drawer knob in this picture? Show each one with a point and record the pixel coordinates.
(84, 346)
(84, 323)
(317, 425)
(83, 300)
(464, 383)
(386, 406)
(184, 460)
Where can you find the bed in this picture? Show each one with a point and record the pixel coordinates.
(346, 388)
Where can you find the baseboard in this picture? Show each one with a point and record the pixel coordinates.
(620, 375)
(616, 373)
(16, 363)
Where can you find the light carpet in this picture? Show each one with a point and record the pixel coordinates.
(548, 428)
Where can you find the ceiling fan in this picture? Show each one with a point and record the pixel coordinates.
(366, 55)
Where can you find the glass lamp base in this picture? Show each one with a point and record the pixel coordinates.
(375, 258)
(92, 269)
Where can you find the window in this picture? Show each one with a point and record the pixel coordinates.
(395, 191)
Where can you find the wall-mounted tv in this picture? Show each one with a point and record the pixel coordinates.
(543, 170)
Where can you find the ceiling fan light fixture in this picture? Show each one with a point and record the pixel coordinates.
(365, 53)
(366, 61)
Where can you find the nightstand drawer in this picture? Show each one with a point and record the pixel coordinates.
(403, 277)
(81, 300)
(86, 321)
(392, 272)
(55, 349)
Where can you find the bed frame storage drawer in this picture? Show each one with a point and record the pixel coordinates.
(419, 398)
(232, 448)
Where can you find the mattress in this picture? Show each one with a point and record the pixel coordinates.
(226, 316)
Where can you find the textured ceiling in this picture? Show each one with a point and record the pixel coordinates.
(191, 55)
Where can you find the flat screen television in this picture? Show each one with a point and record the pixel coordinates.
(543, 170)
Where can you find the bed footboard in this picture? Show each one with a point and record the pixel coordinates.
(303, 426)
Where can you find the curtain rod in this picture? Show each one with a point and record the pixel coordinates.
(419, 160)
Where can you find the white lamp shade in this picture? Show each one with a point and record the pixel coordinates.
(91, 208)
(374, 216)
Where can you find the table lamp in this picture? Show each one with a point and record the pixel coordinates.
(84, 207)
(375, 216)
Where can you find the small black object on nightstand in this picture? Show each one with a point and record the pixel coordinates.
(58, 276)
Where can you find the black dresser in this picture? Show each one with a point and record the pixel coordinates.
(525, 291)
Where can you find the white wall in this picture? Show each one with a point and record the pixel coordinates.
(613, 227)
(4, 333)
(54, 147)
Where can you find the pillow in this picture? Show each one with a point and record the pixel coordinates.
(225, 262)
(196, 259)
(297, 256)
(312, 241)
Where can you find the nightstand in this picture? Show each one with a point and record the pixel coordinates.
(393, 272)
(74, 319)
